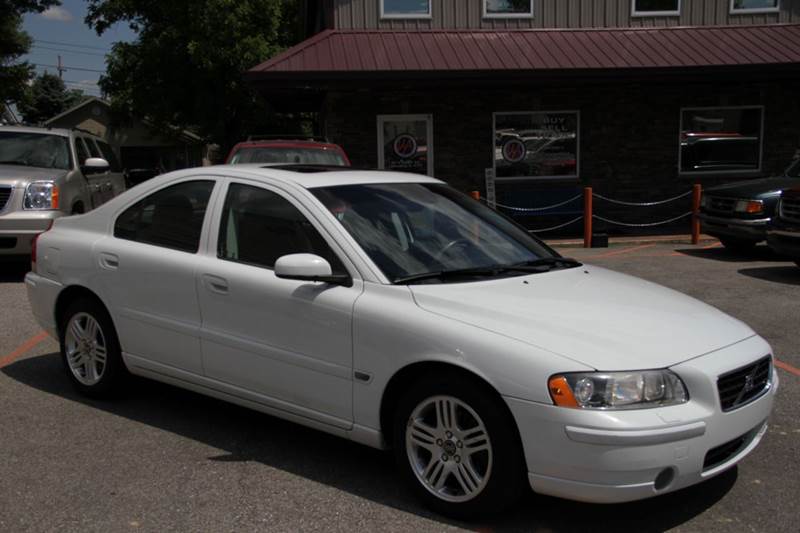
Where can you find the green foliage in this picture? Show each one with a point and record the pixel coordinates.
(46, 97)
(185, 69)
(14, 43)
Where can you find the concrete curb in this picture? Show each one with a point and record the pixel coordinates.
(619, 241)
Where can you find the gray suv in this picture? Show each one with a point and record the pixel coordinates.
(50, 173)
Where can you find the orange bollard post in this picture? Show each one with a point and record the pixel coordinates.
(697, 193)
(587, 217)
(476, 195)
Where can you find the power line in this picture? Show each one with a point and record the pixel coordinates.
(69, 44)
(70, 68)
(68, 51)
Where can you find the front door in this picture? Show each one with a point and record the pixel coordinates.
(287, 342)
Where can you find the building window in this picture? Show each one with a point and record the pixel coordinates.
(721, 139)
(405, 143)
(656, 8)
(536, 145)
(507, 8)
(405, 9)
(755, 6)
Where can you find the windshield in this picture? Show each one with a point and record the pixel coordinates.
(34, 150)
(412, 229)
(794, 170)
(305, 156)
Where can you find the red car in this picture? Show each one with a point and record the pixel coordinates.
(281, 151)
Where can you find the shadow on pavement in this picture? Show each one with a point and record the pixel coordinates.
(789, 275)
(247, 435)
(759, 253)
(13, 272)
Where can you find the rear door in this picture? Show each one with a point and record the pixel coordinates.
(146, 271)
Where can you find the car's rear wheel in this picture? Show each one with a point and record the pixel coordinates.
(457, 446)
(90, 349)
(739, 245)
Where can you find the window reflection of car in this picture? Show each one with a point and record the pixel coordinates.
(546, 154)
(719, 152)
(738, 213)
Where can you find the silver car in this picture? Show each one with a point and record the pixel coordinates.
(50, 173)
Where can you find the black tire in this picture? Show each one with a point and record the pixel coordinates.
(112, 374)
(739, 245)
(506, 478)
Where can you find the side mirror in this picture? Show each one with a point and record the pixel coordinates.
(308, 267)
(95, 165)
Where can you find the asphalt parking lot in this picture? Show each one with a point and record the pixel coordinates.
(163, 459)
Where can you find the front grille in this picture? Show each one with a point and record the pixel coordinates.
(720, 205)
(790, 209)
(5, 194)
(744, 385)
(724, 452)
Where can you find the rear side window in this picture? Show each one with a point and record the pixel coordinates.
(172, 217)
(259, 226)
(110, 156)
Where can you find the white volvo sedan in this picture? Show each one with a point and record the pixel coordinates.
(391, 310)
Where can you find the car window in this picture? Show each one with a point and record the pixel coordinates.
(93, 150)
(110, 156)
(172, 217)
(259, 226)
(306, 156)
(83, 153)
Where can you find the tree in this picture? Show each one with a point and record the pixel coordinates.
(185, 68)
(15, 43)
(46, 97)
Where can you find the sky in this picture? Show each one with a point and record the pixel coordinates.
(61, 31)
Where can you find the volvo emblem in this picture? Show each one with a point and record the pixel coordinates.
(749, 385)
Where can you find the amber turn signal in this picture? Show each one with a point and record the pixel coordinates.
(561, 393)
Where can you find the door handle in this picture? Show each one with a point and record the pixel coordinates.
(215, 283)
(109, 261)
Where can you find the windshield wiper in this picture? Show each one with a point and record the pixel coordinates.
(550, 262)
(537, 266)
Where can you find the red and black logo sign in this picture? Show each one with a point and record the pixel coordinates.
(405, 146)
(514, 151)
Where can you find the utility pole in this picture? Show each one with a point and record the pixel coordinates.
(61, 68)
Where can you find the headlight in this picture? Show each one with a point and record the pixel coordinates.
(618, 390)
(41, 195)
(751, 207)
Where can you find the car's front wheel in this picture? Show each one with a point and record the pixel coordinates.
(90, 349)
(457, 446)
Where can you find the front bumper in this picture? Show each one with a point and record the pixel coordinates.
(620, 456)
(754, 230)
(784, 238)
(18, 228)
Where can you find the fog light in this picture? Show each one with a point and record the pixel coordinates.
(664, 478)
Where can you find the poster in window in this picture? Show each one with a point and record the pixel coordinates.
(405, 144)
(536, 144)
(721, 139)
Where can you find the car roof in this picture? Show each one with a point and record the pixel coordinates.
(30, 129)
(310, 176)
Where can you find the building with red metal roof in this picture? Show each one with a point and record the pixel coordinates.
(638, 98)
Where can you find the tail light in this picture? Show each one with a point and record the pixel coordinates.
(34, 246)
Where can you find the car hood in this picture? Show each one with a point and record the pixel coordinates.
(17, 176)
(603, 319)
(754, 188)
